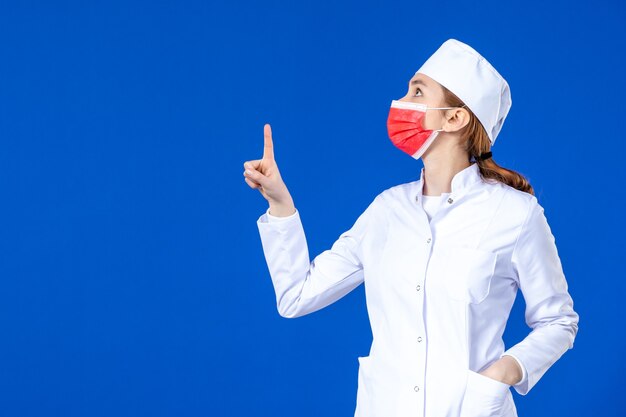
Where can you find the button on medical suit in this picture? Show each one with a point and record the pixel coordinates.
(438, 292)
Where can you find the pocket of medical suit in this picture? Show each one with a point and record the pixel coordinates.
(484, 396)
(468, 273)
(364, 371)
(377, 387)
(366, 388)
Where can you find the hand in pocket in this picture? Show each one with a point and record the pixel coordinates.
(484, 396)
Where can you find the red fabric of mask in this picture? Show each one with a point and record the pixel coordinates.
(405, 128)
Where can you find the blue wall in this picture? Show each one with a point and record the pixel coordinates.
(132, 277)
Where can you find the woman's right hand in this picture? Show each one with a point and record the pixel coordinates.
(263, 175)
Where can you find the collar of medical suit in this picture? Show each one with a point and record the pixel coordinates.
(461, 182)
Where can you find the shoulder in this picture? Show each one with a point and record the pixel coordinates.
(517, 205)
(398, 193)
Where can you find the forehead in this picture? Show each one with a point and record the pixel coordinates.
(423, 79)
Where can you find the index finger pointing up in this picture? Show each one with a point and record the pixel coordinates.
(268, 149)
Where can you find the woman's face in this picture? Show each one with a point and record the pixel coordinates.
(423, 89)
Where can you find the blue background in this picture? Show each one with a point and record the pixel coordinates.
(133, 281)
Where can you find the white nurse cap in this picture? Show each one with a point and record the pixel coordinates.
(463, 71)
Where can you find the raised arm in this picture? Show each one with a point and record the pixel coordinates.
(303, 286)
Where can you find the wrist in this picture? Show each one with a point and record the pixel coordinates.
(505, 370)
(512, 371)
(281, 210)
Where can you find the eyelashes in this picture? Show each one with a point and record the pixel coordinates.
(416, 90)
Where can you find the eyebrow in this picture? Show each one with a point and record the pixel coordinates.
(414, 82)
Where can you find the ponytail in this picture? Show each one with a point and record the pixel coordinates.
(477, 142)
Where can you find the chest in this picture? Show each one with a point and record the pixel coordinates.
(460, 253)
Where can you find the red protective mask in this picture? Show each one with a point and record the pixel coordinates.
(405, 129)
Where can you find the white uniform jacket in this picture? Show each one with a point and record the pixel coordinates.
(438, 294)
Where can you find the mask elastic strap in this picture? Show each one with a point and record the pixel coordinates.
(446, 108)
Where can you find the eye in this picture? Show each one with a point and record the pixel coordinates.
(416, 90)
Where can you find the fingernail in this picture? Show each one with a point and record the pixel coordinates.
(248, 172)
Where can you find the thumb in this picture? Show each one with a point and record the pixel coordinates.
(254, 174)
(255, 163)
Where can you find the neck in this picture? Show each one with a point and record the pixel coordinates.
(438, 174)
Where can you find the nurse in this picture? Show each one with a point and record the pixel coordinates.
(441, 258)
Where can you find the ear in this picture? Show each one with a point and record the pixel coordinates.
(456, 119)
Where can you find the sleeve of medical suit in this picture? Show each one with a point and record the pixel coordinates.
(549, 306)
(303, 286)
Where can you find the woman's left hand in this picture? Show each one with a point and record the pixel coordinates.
(505, 369)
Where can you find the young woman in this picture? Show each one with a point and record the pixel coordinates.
(441, 258)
